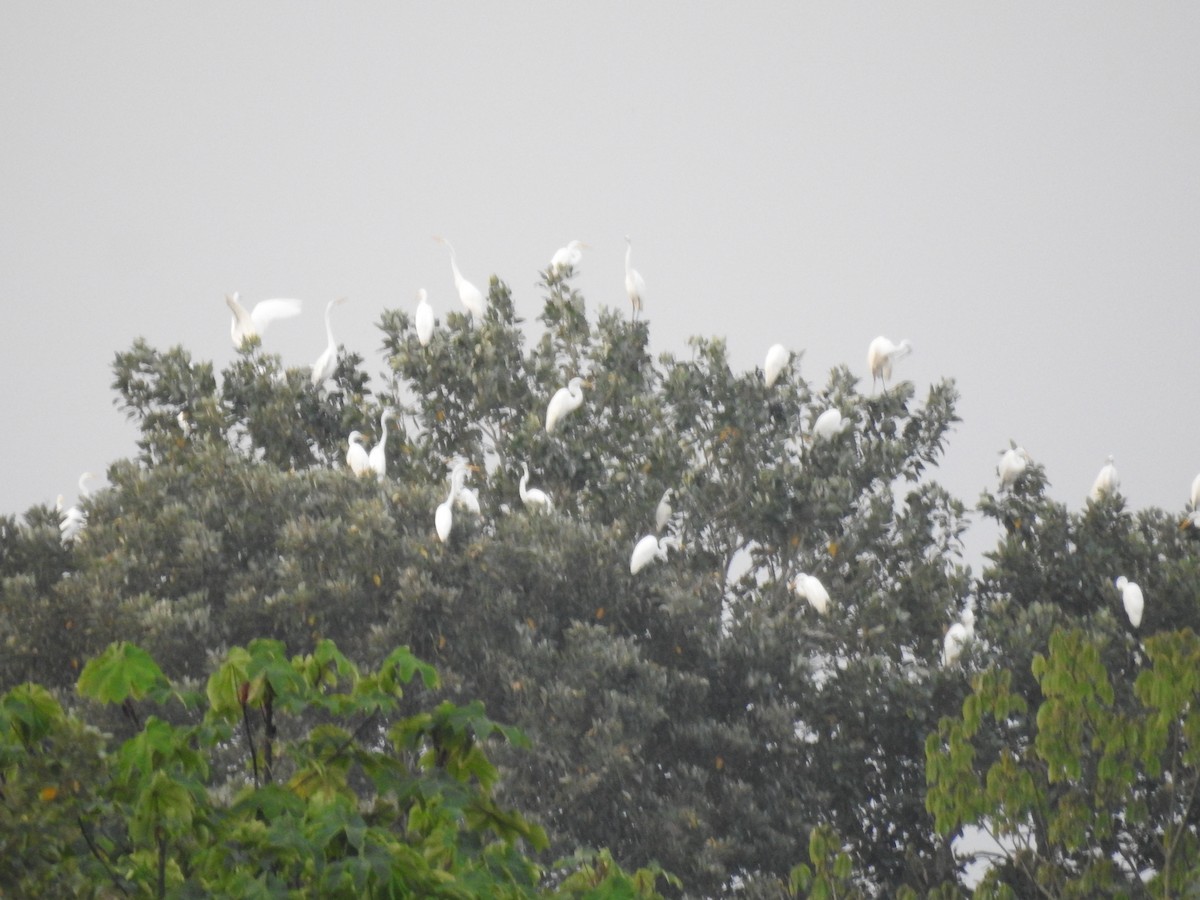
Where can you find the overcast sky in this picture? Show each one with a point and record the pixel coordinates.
(1015, 187)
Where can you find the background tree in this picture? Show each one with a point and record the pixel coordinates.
(699, 713)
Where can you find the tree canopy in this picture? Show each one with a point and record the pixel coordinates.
(701, 714)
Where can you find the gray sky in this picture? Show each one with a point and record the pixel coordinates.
(1014, 187)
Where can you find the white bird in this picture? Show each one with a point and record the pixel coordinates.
(184, 424)
(1106, 482)
(471, 296)
(1196, 493)
(443, 518)
(356, 455)
(957, 637)
(1012, 466)
(663, 512)
(777, 358)
(533, 498)
(252, 324)
(1131, 597)
(648, 549)
(424, 318)
(74, 520)
(635, 285)
(567, 257)
(565, 400)
(830, 423)
(377, 458)
(880, 356)
(326, 363)
(468, 499)
(810, 588)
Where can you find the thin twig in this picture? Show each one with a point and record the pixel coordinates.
(100, 858)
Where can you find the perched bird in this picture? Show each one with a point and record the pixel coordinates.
(377, 458)
(326, 363)
(471, 296)
(1106, 482)
(880, 356)
(957, 637)
(1012, 466)
(565, 400)
(829, 424)
(443, 518)
(424, 318)
(567, 257)
(1196, 492)
(663, 512)
(533, 498)
(810, 588)
(635, 285)
(252, 324)
(74, 520)
(356, 455)
(468, 499)
(777, 358)
(1131, 597)
(648, 549)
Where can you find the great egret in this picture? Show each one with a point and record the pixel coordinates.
(635, 285)
(829, 424)
(468, 499)
(1196, 493)
(648, 549)
(567, 257)
(533, 498)
(1131, 597)
(880, 356)
(777, 358)
(810, 588)
(662, 512)
(443, 518)
(252, 324)
(1106, 482)
(1012, 466)
(957, 637)
(565, 400)
(74, 520)
(424, 318)
(324, 367)
(377, 458)
(356, 455)
(471, 296)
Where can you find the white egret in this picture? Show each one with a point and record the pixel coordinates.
(957, 637)
(424, 318)
(252, 324)
(567, 257)
(880, 356)
(471, 296)
(443, 518)
(1196, 493)
(1012, 466)
(663, 512)
(184, 424)
(1131, 597)
(1106, 482)
(533, 498)
(468, 499)
(810, 588)
(635, 285)
(565, 400)
(326, 363)
(829, 424)
(648, 549)
(777, 358)
(74, 520)
(356, 455)
(377, 458)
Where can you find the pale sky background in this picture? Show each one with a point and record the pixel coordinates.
(1015, 187)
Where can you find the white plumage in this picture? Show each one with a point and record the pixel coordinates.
(829, 424)
(880, 356)
(810, 588)
(377, 458)
(252, 324)
(326, 363)
(778, 357)
(424, 318)
(635, 285)
(1132, 599)
(957, 637)
(356, 455)
(1106, 482)
(471, 296)
(565, 400)
(567, 257)
(533, 498)
(1012, 466)
(648, 549)
(74, 520)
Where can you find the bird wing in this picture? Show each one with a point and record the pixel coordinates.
(267, 311)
